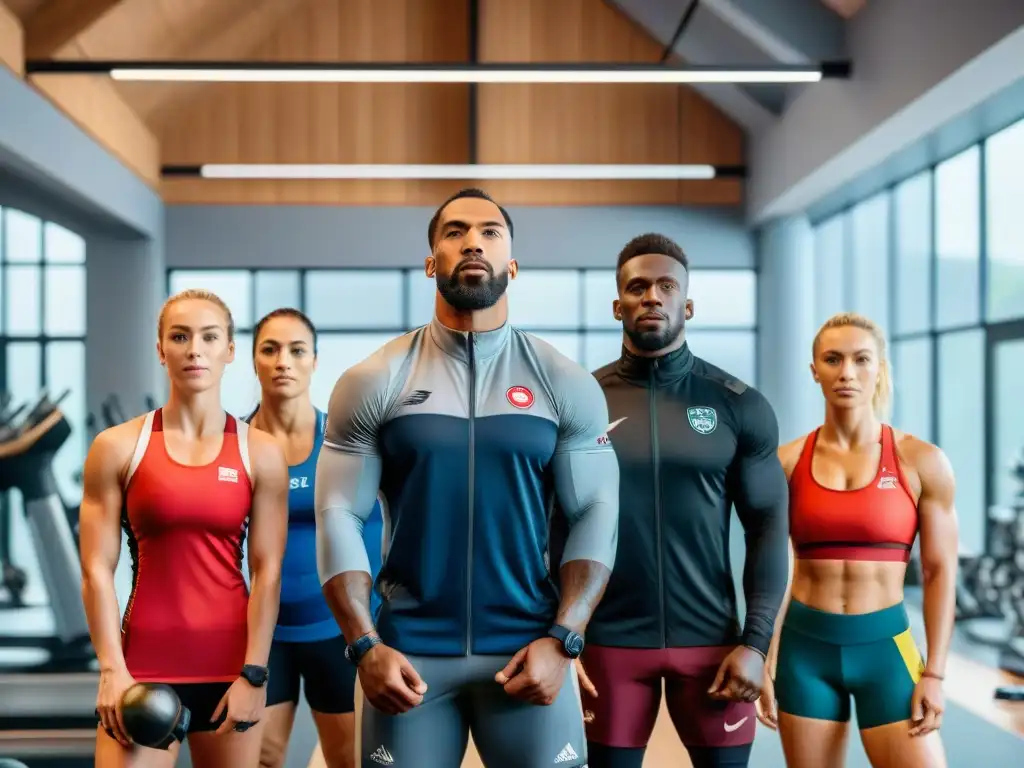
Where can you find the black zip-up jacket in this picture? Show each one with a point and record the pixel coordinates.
(691, 441)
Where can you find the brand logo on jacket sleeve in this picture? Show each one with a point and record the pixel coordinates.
(703, 419)
(519, 397)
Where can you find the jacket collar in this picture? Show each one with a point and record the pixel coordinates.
(456, 343)
(655, 371)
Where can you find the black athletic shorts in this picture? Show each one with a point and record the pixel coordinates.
(320, 668)
(201, 700)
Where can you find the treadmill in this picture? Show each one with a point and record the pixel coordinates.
(46, 706)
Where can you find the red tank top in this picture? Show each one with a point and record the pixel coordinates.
(876, 522)
(186, 525)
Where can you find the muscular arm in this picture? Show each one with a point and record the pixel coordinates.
(761, 496)
(586, 475)
(939, 547)
(347, 479)
(99, 520)
(268, 530)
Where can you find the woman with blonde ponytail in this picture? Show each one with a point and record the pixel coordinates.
(860, 493)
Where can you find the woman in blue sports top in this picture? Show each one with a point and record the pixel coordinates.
(308, 649)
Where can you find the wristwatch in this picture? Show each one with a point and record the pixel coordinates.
(255, 676)
(357, 650)
(572, 642)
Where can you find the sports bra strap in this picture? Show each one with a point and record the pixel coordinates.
(888, 447)
(242, 430)
(140, 446)
(803, 464)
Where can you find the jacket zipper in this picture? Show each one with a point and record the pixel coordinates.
(656, 464)
(472, 470)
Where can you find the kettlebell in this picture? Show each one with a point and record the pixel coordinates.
(154, 715)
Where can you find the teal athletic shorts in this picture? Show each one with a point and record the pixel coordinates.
(825, 658)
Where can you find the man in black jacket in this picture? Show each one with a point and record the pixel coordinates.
(692, 442)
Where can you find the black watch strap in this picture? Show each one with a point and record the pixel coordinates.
(255, 675)
(572, 642)
(357, 650)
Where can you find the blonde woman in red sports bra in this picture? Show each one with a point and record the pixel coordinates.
(860, 493)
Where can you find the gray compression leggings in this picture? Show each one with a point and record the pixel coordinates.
(462, 697)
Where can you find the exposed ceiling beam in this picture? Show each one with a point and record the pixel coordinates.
(702, 43)
(790, 31)
(57, 22)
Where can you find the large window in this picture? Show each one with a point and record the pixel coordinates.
(42, 343)
(961, 433)
(944, 250)
(912, 393)
(1004, 196)
(912, 227)
(830, 251)
(358, 310)
(958, 239)
(869, 249)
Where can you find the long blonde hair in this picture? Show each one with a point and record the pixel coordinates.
(882, 396)
(197, 294)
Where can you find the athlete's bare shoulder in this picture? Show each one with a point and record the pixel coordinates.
(789, 453)
(922, 460)
(266, 452)
(112, 449)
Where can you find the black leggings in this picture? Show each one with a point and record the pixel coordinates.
(600, 756)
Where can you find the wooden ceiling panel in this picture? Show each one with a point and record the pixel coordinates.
(626, 124)
(23, 8)
(235, 36)
(12, 44)
(330, 123)
(59, 22)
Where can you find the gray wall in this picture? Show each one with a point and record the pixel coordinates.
(51, 168)
(40, 144)
(323, 236)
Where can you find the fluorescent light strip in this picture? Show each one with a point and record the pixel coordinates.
(312, 75)
(462, 172)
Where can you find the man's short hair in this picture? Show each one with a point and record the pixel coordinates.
(652, 242)
(468, 192)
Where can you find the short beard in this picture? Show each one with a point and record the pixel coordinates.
(466, 297)
(655, 341)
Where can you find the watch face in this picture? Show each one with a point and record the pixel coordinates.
(574, 644)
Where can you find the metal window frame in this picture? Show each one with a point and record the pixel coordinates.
(42, 338)
(581, 329)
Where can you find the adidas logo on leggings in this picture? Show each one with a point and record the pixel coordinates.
(567, 754)
(382, 756)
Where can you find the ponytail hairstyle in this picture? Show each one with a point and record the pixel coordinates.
(283, 312)
(196, 294)
(882, 396)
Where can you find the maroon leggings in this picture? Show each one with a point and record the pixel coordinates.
(628, 682)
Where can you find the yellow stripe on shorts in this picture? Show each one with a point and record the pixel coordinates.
(911, 656)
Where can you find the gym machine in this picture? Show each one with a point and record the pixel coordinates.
(26, 464)
(12, 578)
(992, 586)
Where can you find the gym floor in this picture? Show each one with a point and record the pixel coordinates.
(977, 730)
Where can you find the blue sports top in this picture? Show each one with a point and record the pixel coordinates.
(468, 439)
(304, 616)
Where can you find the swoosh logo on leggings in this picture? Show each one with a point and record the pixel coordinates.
(729, 728)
